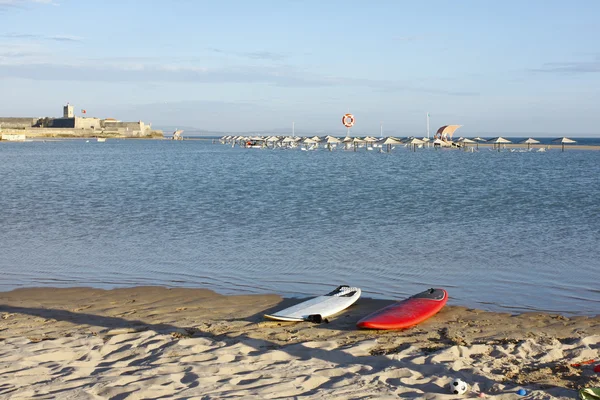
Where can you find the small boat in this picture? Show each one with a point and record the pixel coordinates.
(101, 139)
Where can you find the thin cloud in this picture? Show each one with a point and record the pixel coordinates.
(254, 55)
(31, 36)
(16, 54)
(265, 55)
(573, 67)
(282, 76)
(8, 4)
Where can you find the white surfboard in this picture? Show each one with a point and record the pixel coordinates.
(319, 308)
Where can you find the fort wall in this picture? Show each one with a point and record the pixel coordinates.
(17, 123)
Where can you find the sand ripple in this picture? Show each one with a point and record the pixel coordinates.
(151, 365)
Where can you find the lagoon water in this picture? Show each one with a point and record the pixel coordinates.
(500, 231)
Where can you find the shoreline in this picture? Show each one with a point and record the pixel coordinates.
(490, 146)
(494, 352)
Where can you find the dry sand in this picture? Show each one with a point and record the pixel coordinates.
(152, 342)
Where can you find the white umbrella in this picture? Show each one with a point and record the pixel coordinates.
(498, 141)
(530, 141)
(478, 139)
(465, 141)
(564, 140)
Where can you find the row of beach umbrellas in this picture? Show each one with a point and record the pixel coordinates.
(389, 141)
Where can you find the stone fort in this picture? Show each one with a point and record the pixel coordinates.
(71, 125)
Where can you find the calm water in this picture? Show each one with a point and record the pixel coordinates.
(501, 231)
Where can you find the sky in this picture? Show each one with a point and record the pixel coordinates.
(512, 67)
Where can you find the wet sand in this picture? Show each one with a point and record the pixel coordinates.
(146, 342)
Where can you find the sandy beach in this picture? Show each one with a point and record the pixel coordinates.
(153, 342)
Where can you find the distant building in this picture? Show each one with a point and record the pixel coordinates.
(89, 125)
(68, 111)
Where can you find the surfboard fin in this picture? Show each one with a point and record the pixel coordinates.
(317, 319)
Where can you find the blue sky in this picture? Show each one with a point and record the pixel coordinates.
(508, 67)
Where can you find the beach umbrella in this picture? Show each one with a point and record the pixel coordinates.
(332, 140)
(479, 139)
(414, 142)
(498, 141)
(529, 142)
(564, 140)
(390, 141)
(370, 140)
(465, 141)
(356, 141)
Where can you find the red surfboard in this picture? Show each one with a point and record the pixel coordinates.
(406, 313)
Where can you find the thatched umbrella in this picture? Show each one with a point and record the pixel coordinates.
(414, 142)
(529, 142)
(332, 140)
(390, 141)
(309, 141)
(564, 140)
(369, 140)
(356, 141)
